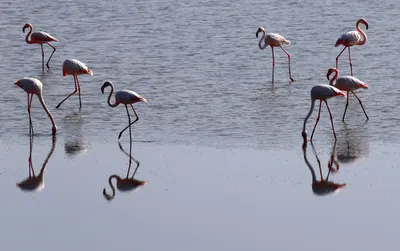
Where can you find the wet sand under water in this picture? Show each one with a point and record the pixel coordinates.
(199, 198)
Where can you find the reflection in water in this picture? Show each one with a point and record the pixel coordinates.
(323, 186)
(33, 182)
(352, 143)
(75, 143)
(126, 184)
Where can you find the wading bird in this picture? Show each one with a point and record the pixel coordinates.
(34, 86)
(322, 93)
(273, 40)
(41, 38)
(351, 38)
(74, 67)
(349, 84)
(126, 97)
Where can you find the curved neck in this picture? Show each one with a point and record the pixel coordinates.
(314, 177)
(261, 40)
(308, 115)
(334, 77)
(53, 146)
(109, 97)
(364, 40)
(109, 197)
(28, 35)
(48, 112)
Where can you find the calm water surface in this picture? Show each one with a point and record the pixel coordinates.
(218, 143)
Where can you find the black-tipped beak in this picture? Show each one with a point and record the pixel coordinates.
(102, 90)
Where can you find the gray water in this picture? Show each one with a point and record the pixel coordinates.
(219, 144)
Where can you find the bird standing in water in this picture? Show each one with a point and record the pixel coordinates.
(41, 38)
(349, 84)
(351, 38)
(273, 40)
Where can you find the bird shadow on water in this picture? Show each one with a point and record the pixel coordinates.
(323, 186)
(75, 142)
(124, 184)
(36, 182)
(353, 143)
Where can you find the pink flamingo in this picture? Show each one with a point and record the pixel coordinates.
(74, 67)
(273, 40)
(349, 84)
(41, 38)
(351, 38)
(34, 86)
(321, 92)
(126, 97)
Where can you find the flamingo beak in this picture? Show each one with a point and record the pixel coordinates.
(257, 33)
(102, 89)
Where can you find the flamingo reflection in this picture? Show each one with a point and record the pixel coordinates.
(323, 186)
(33, 182)
(127, 183)
(75, 142)
(353, 144)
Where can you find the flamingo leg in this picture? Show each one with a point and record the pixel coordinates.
(337, 58)
(31, 171)
(316, 122)
(41, 45)
(137, 118)
(48, 61)
(359, 100)
(30, 96)
(347, 104)
(76, 89)
(273, 64)
(351, 64)
(130, 140)
(290, 74)
(79, 91)
(330, 115)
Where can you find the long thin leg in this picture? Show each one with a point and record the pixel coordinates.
(347, 104)
(316, 122)
(130, 138)
(273, 64)
(359, 100)
(48, 61)
(351, 64)
(79, 91)
(41, 45)
(31, 171)
(288, 55)
(337, 58)
(316, 156)
(76, 89)
(30, 96)
(330, 115)
(137, 118)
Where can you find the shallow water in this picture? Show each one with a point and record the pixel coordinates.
(219, 145)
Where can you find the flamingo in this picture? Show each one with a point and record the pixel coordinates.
(349, 84)
(126, 184)
(351, 38)
(33, 182)
(321, 92)
(126, 97)
(273, 40)
(74, 67)
(41, 38)
(34, 86)
(322, 186)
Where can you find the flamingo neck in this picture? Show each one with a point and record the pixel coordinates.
(308, 115)
(364, 40)
(109, 97)
(334, 77)
(53, 145)
(313, 175)
(54, 128)
(109, 197)
(262, 47)
(28, 36)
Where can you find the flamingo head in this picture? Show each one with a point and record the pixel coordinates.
(260, 29)
(330, 71)
(27, 25)
(362, 20)
(106, 84)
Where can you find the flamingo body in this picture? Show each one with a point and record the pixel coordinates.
(323, 93)
(74, 67)
(40, 37)
(348, 84)
(273, 40)
(34, 86)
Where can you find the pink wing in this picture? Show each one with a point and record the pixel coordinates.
(43, 36)
(348, 39)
